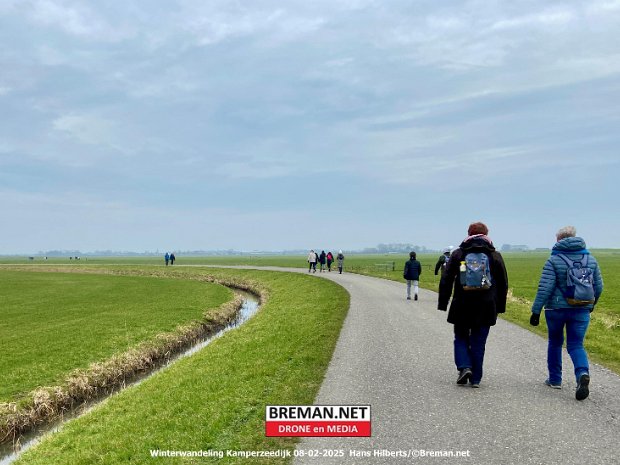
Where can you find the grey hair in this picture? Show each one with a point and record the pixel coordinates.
(566, 231)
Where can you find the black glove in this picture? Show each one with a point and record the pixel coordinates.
(535, 319)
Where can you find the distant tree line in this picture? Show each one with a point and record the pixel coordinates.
(379, 249)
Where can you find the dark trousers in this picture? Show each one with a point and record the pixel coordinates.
(469, 345)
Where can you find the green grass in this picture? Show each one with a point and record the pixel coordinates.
(52, 323)
(216, 398)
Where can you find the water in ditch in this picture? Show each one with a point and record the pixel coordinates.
(10, 452)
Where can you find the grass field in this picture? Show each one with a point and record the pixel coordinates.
(53, 323)
(216, 398)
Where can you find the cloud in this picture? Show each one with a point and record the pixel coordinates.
(76, 20)
(254, 170)
(216, 22)
(602, 7)
(85, 128)
(548, 18)
(427, 169)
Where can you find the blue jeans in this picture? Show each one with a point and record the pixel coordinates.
(576, 321)
(469, 344)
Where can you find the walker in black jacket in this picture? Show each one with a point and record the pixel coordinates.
(473, 312)
(412, 273)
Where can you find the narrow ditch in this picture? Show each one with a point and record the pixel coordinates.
(11, 452)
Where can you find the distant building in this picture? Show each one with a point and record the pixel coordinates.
(514, 248)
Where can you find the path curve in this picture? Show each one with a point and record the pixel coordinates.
(396, 355)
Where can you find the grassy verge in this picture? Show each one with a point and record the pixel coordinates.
(25, 411)
(216, 398)
(53, 323)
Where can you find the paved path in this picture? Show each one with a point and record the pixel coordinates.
(396, 355)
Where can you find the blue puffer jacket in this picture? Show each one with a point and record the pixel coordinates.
(552, 283)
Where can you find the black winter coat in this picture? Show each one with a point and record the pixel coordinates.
(474, 309)
(413, 270)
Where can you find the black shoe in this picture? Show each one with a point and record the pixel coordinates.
(582, 388)
(553, 385)
(464, 376)
(415, 297)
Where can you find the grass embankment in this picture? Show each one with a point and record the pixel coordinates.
(216, 398)
(53, 323)
(98, 319)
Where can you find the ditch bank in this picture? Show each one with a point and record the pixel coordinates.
(47, 405)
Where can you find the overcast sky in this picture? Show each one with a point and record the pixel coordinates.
(270, 125)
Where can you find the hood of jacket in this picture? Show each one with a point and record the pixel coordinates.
(479, 241)
(570, 245)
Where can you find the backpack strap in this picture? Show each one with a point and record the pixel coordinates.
(583, 260)
(565, 259)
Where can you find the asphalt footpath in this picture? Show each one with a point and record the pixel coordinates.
(396, 355)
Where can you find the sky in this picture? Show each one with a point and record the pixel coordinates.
(268, 125)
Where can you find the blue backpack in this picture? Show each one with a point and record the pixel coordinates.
(475, 272)
(579, 282)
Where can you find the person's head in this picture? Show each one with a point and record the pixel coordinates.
(477, 228)
(566, 231)
(412, 255)
(340, 251)
(446, 251)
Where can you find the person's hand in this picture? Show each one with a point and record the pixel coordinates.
(535, 319)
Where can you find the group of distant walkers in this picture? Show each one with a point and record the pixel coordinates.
(169, 258)
(475, 277)
(324, 259)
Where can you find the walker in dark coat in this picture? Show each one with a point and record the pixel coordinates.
(412, 270)
(474, 309)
